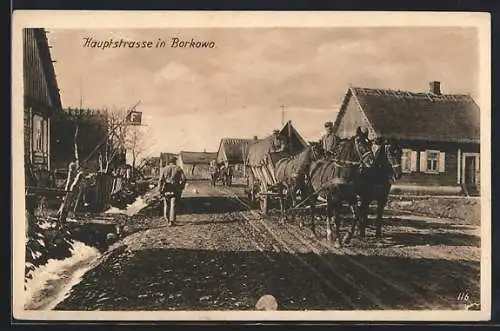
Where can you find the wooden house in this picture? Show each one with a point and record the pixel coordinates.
(165, 158)
(196, 164)
(439, 134)
(41, 100)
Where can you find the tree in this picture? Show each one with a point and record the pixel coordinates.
(137, 144)
(115, 139)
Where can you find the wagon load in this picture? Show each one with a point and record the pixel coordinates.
(271, 173)
(262, 160)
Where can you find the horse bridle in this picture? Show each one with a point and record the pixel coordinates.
(362, 163)
(393, 166)
(387, 151)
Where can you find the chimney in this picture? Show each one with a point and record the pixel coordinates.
(435, 87)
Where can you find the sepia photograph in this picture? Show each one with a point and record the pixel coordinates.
(251, 166)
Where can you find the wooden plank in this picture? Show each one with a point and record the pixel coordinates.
(45, 190)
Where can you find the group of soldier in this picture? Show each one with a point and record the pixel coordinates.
(172, 177)
(328, 141)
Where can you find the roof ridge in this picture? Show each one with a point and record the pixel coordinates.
(363, 91)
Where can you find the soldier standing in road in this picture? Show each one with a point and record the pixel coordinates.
(173, 179)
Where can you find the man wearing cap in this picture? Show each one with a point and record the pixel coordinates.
(172, 178)
(279, 144)
(362, 133)
(328, 140)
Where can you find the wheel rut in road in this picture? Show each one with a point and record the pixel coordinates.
(348, 275)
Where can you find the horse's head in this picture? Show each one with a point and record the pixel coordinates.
(364, 152)
(316, 150)
(389, 152)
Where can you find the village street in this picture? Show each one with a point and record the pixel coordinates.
(223, 255)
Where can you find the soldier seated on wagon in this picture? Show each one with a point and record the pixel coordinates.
(329, 140)
(279, 142)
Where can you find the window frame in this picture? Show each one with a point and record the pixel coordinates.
(437, 154)
(406, 160)
(39, 134)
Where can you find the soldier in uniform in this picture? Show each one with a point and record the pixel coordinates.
(279, 144)
(173, 179)
(328, 141)
(362, 133)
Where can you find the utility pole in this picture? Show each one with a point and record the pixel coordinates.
(81, 93)
(282, 115)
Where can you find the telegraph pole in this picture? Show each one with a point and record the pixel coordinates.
(81, 93)
(282, 115)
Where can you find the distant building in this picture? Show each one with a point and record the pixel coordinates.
(439, 133)
(166, 157)
(196, 164)
(259, 151)
(234, 151)
(41, 101)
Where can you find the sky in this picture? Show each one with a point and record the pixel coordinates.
(193, 97)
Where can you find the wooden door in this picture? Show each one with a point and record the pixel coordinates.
(470, 170)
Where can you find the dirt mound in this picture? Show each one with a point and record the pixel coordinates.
(467, 210)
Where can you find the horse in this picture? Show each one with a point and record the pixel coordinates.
(290, 171)
(338, 180)
(219, 172)
(377, 181)
(227, 175)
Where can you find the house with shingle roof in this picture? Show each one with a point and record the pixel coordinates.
(41, 102)
(439, 133)
(196, 164)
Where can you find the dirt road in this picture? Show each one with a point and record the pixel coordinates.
(222, 255)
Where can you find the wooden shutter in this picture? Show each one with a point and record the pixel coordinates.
(423, 161)
(442, 161)
(413, 161)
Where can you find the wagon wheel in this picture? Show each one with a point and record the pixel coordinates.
(264, 204)
(264, 199)
(252, 195)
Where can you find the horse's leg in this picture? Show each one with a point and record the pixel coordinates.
(313, 223)
(348, 236)
(329, 214)
(363, 217)
(282, 211)
(165, 210)
(380, 213)
(336, 218)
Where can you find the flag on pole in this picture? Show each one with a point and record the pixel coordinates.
(134, 118)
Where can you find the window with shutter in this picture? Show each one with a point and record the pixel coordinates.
(38, 133)
(423, 162)
(431, 161)
(406, 160)
(442, 162)
(414, 159)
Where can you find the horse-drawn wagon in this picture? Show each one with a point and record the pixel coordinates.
(277, 177)
(353, 177)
